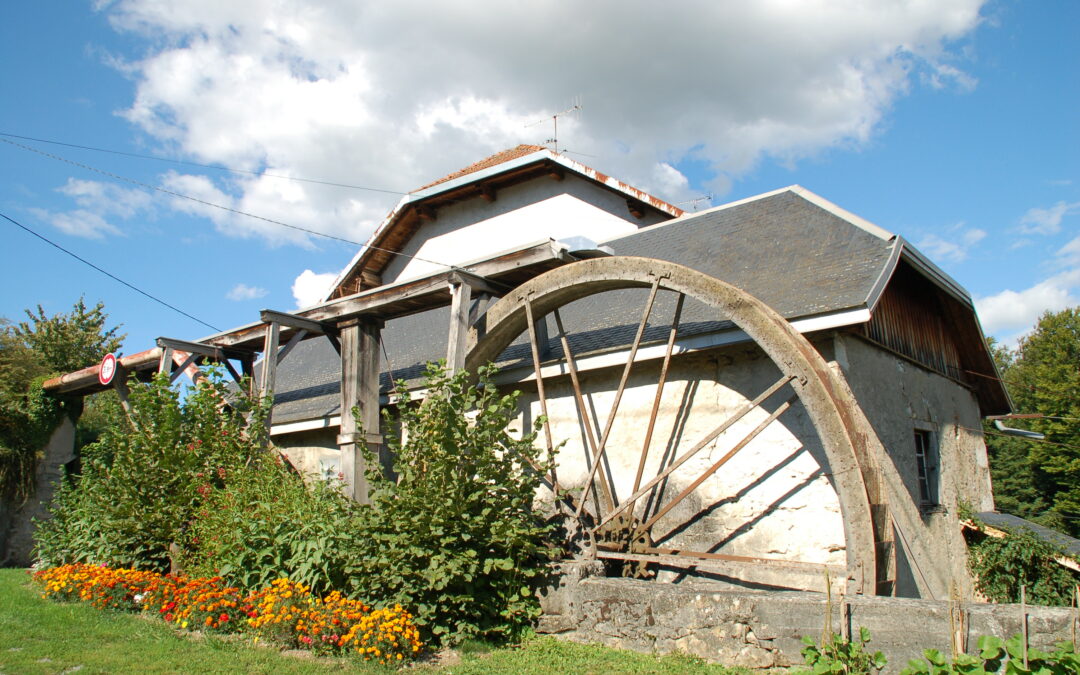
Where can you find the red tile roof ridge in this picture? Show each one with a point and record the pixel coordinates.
(494, 160)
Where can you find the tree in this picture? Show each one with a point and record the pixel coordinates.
(67, 342)
(1033, 479)
(30, 352)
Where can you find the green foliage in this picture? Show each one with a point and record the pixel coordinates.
(67, 342)
(267, 523)
(143, 483)
(29, 353)
(993, 652)
(1041, 481)
(837, 655)
(1002, 566)
(456, 538)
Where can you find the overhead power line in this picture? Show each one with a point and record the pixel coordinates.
(216, 167)
(109, 274)
(212, 204)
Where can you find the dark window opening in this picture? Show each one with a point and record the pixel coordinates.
(926, 463)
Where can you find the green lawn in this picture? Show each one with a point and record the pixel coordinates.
(40, 636)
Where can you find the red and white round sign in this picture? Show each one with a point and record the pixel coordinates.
(107, 369)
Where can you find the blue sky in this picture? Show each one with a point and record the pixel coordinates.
(954, 124)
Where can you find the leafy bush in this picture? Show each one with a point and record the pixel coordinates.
(1002, 566)
(993, 651)
(267, 523)
(143, 483)
(456, 538)
(838, 655)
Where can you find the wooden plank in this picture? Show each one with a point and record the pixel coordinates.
(804, 576)
(165, 365)
(543, 399)
(461, 296)
(189, 360)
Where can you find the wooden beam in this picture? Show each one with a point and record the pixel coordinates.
(486, 192)
(461, 299)
(293, 341)
(479, 283)
(294, 321)
(370, 279)
(400, 299)
(202, 349)
(426, 213)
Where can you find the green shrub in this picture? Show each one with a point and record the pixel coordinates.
(267, 523)
(1002, 566)
(456, 538)
(993, 652)
(143, 483)
(838, 655)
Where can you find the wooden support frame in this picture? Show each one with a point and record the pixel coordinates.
(360, 352)
(458, 334)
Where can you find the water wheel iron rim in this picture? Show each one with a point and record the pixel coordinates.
(826, 400)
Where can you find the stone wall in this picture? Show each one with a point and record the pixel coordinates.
(17, 519)
(765, 629)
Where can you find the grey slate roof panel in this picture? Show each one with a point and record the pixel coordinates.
(792, 254)
(1011, 523)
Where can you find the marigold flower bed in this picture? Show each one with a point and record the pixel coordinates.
(285, 612)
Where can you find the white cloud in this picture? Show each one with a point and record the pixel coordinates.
(241, 292)
(1070, 253)
(1012, 313)
(953, 249)
(395, 95)
(106, 198)
(310, 288)
(78, 223)
(1047, 221)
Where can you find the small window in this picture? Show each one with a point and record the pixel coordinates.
(926, 462)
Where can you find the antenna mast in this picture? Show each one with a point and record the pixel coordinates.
(554, 140)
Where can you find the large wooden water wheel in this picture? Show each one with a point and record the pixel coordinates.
(616, 516)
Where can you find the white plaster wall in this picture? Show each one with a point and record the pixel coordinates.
(772, 499)
(521, 214)
(313, 453)
(897, 397)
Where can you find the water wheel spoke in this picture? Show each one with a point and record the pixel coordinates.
(780, 410)
(708, 438)
(533, 344)
(582, 410)
(659, 397)
(619, 392)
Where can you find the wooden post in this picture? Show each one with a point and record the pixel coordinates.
(460, 301)
(269, 367)
(360, 343)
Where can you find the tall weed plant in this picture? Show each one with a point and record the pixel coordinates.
(268, 523)
(456, 537)
(146, 479)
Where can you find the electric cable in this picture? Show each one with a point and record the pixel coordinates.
(204, 166)
(108, 274)
(216, 206)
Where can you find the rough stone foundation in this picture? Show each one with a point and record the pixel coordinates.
(764, 629)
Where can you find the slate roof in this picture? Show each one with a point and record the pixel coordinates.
(1011, 523)
(786, 248)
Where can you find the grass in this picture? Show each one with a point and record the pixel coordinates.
(38, 636)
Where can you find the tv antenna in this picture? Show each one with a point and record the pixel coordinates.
(575, 107)
(693, 203)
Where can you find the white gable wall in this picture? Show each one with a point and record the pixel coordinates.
(521, 214)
